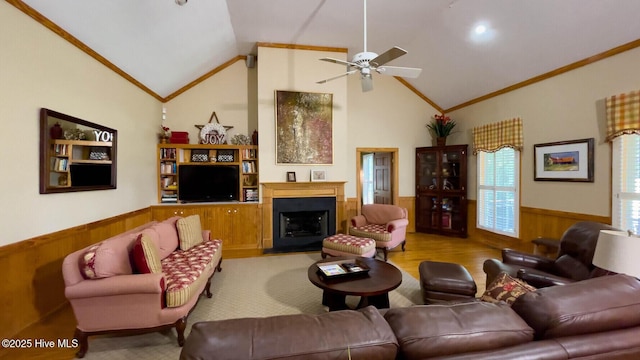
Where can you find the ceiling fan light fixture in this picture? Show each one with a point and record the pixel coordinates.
(181, 2)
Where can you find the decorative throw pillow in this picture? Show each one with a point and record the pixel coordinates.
(506, 288)
(145, 255)
(189, 232)
(87, 262)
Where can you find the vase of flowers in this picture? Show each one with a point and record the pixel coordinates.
(165, 134)
(441, 127)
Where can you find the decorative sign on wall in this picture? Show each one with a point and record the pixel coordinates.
(213, 132)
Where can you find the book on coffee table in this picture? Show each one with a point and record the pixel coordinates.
(342, 268)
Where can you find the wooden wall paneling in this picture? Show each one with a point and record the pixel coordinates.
(409, 202)
(534, 223)
(34, 287)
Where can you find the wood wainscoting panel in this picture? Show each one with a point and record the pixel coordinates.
(534, 223)
(34, 287)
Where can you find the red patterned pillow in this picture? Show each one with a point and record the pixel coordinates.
(145, 255)
(506, 288)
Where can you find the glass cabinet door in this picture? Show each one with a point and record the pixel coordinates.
(427, 167)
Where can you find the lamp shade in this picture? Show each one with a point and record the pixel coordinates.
(619, 252)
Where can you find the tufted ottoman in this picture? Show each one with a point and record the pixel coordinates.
(442, 282)
(348, 245)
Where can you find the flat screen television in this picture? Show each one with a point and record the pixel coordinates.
(208, 183)
(90, 174)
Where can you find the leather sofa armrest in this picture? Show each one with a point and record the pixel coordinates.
(116, 285)
(538, 280)
(514, 257)
(397, 224)
(358, 220)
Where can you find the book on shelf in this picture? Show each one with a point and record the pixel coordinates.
(250, 195)
(167, 153)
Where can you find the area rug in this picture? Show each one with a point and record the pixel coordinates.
(251, 287)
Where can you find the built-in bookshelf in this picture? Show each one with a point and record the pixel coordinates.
(64, 153)
(172, 156)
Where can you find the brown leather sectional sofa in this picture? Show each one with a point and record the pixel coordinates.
(597, 318)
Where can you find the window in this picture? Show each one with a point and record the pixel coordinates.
(367, 179)
(498, 191)
(625, 183)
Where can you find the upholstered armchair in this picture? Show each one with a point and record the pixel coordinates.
(386, 224)
(572, 263)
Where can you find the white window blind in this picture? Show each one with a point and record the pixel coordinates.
(626, 183)
(498, 198)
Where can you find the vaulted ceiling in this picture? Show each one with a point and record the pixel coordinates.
(165, 46)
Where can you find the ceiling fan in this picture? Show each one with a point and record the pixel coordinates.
(367, 62)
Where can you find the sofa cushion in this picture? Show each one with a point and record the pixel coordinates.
(165, 236)
(107, 258)
(589, 306)
(189, 231)
(425, 331)
(372, 231)
(145, 255)
(506, 288)
(381, 213)
(570, 267)
(184, 271)
(300, 336)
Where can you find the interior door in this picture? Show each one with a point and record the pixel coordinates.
(382, 178)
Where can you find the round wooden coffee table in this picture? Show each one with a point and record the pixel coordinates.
(372, 288)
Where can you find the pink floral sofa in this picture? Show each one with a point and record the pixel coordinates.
(386, 224)
(146, 279)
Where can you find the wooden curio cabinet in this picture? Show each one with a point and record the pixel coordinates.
(441, 190)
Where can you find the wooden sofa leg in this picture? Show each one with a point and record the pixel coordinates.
(219, 267)
(386, 253)
(84, 343)
(181, 324)
(323, 254)
(403, 244)
(207, 289)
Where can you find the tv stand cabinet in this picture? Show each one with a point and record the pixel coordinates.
(172, 156)
(238, 224)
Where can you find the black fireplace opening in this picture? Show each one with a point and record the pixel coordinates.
(300, 224)
(304, 223)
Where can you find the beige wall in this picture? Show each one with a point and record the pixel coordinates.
(298, 70)
(40, 69)
(566, 107)
(389, 116)
(226, 93)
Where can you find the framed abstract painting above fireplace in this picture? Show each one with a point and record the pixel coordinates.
(304, 129)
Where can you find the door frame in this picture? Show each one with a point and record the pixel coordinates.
(394, 173)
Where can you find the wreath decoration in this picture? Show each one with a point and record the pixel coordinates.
(208, 130)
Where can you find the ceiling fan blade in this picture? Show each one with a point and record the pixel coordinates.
(399, 71)
(341, 62)
(391, 54)
(367, 83)
(337, 77)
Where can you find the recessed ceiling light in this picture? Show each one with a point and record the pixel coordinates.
(181, 2)
(482, 32)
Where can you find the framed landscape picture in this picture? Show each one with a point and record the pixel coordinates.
(304, 128)
(564, 161)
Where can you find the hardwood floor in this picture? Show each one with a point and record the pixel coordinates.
(419, 247)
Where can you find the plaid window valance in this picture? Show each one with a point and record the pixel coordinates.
(493, 137)
(623, 114)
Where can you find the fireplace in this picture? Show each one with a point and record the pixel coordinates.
(300, 224)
